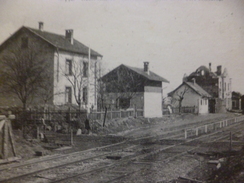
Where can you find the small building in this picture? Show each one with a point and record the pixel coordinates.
(190, 94)
(130, 87)
(236, 100)
(217, 84)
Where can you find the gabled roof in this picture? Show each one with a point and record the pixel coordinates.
(195, 87)
(151, 76)
(59, 41)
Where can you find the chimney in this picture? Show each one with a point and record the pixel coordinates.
(210, 66)
(41, 26)
(146, 67)
(69, 35)
(184, 78)
(219, 70)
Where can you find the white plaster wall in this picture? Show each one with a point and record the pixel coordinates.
(191, 98)
(153, 102)
(61, 81)
(203, 107)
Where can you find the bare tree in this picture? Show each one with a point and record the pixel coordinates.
(179, 96)
(125, 82)
(77, 79)
(46, 91)
(23, 72)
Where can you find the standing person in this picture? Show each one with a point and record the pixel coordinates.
(87, 125)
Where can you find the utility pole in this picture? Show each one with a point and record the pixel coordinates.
(88, 81)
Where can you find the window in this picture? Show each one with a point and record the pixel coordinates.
(225, 86)
(68, 95)
(68, 67)
(124, 103)
(202, 72)
(24, 42)
(201, 101)
(85, 69)
(85, 95)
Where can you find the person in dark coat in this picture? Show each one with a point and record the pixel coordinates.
(87, 125)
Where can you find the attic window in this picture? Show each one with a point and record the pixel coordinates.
(24, 42)
(202, 72)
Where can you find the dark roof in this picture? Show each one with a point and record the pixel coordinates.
(151, 76)
(202, 67)
(194, 86)
(198, 89)
(59, 41)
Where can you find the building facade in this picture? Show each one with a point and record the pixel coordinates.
(130, 87)
(217, 84)
(72, 67)
(192, 95)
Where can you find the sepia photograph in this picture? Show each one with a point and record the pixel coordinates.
(121, 91)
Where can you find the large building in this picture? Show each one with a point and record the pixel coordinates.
(217, 84)
(66, 57)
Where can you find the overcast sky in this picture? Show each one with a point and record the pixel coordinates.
(175, 36)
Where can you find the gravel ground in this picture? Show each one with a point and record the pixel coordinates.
(119, 129)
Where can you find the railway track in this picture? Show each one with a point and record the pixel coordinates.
(63, 168)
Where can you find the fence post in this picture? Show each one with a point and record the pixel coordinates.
(111, 115)
(71, 137)
(206, 128)
(5, 140)
(196, 131)
(37, 132)
(185, 134)
(230, 141)
(105, 116)
(135, 111)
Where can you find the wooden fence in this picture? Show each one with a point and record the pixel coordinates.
(175, 110)
(115, 114)
(66, 116)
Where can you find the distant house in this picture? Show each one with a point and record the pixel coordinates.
(62, 52)
(236, 100)
(192, 95)
(130, 87)
(217, 84)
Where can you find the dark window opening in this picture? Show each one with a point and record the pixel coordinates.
(124, 103)
(68, 67)
(85, 95)
(85, 69)
(68, 95)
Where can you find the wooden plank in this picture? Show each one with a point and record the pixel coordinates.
(5, 141)
(9, 160)
(190, 180)
(11, 138)
(1, 124)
